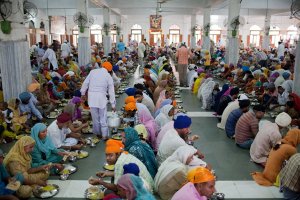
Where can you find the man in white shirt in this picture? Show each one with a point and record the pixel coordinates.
(98, 83)
(39, 53)
(65, 50)
(60, 134)
(141, 51)
(280, 50)
(51, 56)
(145, 99)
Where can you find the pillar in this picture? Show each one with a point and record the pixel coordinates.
(232, 44)
(266, 37)
(206, 38)
(84, 41)
(14, 55)
(118, 23)
(193, 26)
(296, 88)
(106, 36)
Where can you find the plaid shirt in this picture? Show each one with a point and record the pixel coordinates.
(290, 174)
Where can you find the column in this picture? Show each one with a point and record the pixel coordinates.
(296, 88)
(84, 41)
(266, 37)
(118, 23)
(193, 31)
(232, 44)
(14, 55)
(206, 29)
(106, 31)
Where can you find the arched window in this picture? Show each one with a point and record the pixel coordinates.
(255, 35)
(215, 33)
(274, 34)
(96, 33)
(198, 33)
(174, 32)
(136, 33)
(75, 33)
(292, 34)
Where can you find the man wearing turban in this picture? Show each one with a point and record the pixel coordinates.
(99, 83)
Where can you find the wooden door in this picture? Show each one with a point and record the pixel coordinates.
(92, 39)
(32, 36)
(248, 40)
(189, 40)
(180, 38)
(162, 40)
(151, 36)
(129, 36)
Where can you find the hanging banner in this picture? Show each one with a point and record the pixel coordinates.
(155, 22)
(57, 25)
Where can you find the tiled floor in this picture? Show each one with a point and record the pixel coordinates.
(232, 164)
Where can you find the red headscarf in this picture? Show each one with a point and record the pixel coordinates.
(296, 101)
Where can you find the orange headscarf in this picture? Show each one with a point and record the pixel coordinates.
(107, 65)
(33, 87)
(200, 175)
(292, 137)
(130, 106)
(114, 146)
(61, 87)
(129, 99)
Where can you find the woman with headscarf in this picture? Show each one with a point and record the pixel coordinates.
(161, 86)
(225, 87)
(18, 120)
(18, 160)
(76, 101)
(280, 152)
(44, 151)
(142, 132)
(198, 82)
(296, 99)
(140, 150)
(149, 83)
(206, 94)
(163, 103)
(44, 99)
(165, 94)
(166, 115)
(204, 82)
(172, 172)
(131, 187)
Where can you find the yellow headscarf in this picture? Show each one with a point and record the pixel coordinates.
(141, 129)
(12, 104)
(198, 83)
(200, 175)
(18, 154)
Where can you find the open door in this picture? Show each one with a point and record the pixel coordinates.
(151, 42)
(162, 40)
(180, 38)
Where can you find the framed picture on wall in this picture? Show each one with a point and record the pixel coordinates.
(155, 21)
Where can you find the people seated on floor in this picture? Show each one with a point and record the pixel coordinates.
(206, 94)
(176, 137)
(142, 132)
(200, 186)
(172, 172)
(27, 107)
(165, 94)
(269, 98)
(235, 115)
(165, 115)
(18, 120)
(226, 99)
(247, 126)
(268, 135)
(288, 176)
(280, 153)
(61, 135)
(140, 150)
(117, 157)
(44, 151)
(18, 163)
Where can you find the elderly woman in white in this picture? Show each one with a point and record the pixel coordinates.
(166, 115)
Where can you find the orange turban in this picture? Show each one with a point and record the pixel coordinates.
(129, 99)
(114, 146)
(107, 65)
(200, 175)
(61, 87)
(130, 106)
(33, 87)
(124, 59)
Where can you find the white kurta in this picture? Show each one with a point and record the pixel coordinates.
(147, 101)
(65, 50)
(141, 50)
(50, 54)
(231, 107)
(99, 83)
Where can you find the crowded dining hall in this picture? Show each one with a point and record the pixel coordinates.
(149, 100)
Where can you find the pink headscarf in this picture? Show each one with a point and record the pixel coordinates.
(148, 121)
(126, 183)
(162, 96)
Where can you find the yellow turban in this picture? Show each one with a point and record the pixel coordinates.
(114, 146)
(129, 99)
(200, 175)
(130, 106)
(33, 87)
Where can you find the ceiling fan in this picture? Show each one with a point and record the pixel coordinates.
(159, 9)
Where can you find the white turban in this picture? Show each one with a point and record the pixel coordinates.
(242, 97)
(283, 119)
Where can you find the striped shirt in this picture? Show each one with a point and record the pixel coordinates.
(246, 127)
(290, 174)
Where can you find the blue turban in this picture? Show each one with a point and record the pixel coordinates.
(285, 75)
(182, 122)
(115, 68)
(130, 91)
(120, 58)
(131, 168)
(24, 96)
(55, 78)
